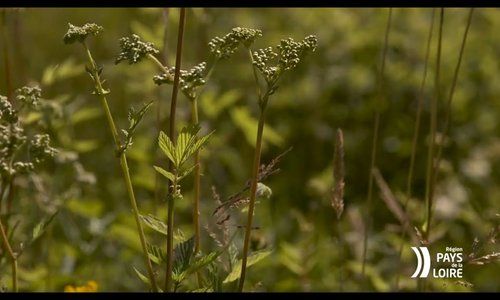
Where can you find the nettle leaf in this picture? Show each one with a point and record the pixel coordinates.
(214, 277)
(154, 223)
(167, 147)
(40, 228)
(165, 173)
(141, 276)
(134, 118)
(183, 254)
(185, 142)
(251, 260)
(155, 254)
(186, 172)
(199, 263)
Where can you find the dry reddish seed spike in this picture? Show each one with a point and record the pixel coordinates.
(338, 174)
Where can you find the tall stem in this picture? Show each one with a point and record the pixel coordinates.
(429, 188)
(450, 98)
(6, 59)
(197, 174)
(253, 190)
(409, 181)
(125, 170)
(8, 249)
(375, 144)
(173, 105)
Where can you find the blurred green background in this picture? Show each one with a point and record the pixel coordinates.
(93, 236)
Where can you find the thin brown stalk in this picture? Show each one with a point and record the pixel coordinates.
(447, 111)
(6, 58)
(337, 197)
(433, 126)
(173, 106)
(253, 190)
(337, 200)
(159, 107)
(409, 181)
(8, 248)
(375, 144)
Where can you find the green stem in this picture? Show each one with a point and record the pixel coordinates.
(173, 105)
(409, 181)
(8, 249)
(6, 59)
(125, 169)
(376, 126)
(197, 174)
(253, 190)
(450, 98)
(433, 125)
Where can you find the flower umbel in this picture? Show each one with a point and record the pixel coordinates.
(289, 53)
(224, 47)
(189, 80)
(133, 49)
(79, 34)
(29, 95)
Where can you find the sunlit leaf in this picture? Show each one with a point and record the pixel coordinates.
(251, 260)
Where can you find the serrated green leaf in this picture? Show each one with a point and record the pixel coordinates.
(185, 143)
(142, 277)
(186, 172)
(167, 147)
(40, 228)
(154, 223)
(252, 259)
(183, 254)
(165, 173)
(155, 253)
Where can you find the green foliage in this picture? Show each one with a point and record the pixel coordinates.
(252, 259)
(134, 118)
(187, 143)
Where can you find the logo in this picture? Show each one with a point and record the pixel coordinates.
(426, 262)
(448, 263)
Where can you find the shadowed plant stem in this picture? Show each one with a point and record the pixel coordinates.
(255, 172)
(124, 167)
(375, 144)
(253, 190)
(450, 98)
(409, 181)
(6, 58)
(171, 133)
(8, 247)
(433, 126)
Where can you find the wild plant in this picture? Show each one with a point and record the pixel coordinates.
(271, 66)
(191, 83)
(80, 34)
(23, 149)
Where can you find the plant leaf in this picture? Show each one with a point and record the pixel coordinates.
(186, 172)
(40, 228)
(165, 173)
(155, 254)
(141, 276)
(183, 254)
(252, 259)
(154, 223)
(168, 148)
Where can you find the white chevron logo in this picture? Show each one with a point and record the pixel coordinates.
(423, 262)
